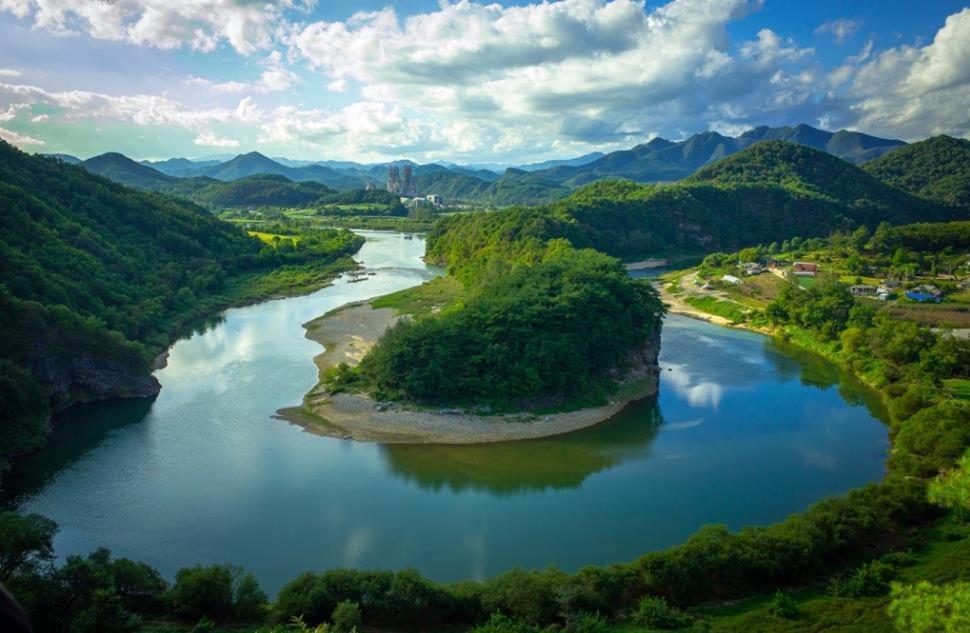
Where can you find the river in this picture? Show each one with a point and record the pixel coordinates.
(744, 431)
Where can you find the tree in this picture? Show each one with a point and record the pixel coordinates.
(203, 591)
(249, 599)
(346, 617)
(25, 543)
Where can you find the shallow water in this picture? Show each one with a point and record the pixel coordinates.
(742, 432)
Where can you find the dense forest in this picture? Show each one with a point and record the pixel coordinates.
(937, 169)
(98, 278)
(553, 326)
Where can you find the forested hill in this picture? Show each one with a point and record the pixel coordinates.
(122, 169)
(769, 192)
(261, 190)
(98, 277)
(817, 173)
(937, 169)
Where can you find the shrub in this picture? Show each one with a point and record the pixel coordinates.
(654, 612)
(346, 617)
(871, 579)
(783, 606)
(499, 623)
(588, 623)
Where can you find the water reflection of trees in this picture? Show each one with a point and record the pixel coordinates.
(813, 370)
(507, 468)
(77, 431)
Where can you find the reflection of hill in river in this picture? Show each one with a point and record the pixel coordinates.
(815, 371)
(563, 461)
(77, 430)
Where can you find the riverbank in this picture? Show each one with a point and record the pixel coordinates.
(348, 333)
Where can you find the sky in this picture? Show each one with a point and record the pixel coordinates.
(468, 82)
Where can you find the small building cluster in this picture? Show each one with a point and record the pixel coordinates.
(925, 293)
(804, 269)
(430, 200)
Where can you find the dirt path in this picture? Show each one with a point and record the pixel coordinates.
(348, 333)
(677, 305)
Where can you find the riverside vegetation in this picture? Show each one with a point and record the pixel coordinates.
(860, 559)
(99, 279)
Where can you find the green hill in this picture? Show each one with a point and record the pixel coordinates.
(515, 186)
(122, 169)
(769, 192)
(261, 190)
(813, 172)
(937, 169)
(98, 278)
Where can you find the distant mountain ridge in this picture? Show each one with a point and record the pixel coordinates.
(658, 160)
(661, 160)
(124, 170)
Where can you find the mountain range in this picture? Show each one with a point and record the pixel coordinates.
(659, 160)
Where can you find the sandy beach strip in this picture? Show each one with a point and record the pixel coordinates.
(348, 333)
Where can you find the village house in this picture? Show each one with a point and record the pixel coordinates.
(776, 264)
(804, 269)
(863, 290)
(751, 268)
(731, 279)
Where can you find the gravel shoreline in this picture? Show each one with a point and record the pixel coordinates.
(348, 333)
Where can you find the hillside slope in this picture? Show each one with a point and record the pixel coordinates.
(814, 172)
(937, 169)
(98, 278)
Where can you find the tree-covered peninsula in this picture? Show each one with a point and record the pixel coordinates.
(98, 279)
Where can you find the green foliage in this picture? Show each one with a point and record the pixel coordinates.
(870, 579)
(937, 168)
(221, 592)
(261, 190)
(98, 275)
(783, 606)
(346, 617)
(499, 623)
(204, 625)
(543, 334)
(824, 307)
(926, 608)
(384, 597)
(951, 489)
(654, 612)
(26, 542)
(588, 623)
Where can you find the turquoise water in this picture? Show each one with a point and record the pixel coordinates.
(742, 432)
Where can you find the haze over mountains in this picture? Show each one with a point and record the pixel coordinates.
(658, 160)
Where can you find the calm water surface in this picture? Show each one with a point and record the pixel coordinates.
(743, 432)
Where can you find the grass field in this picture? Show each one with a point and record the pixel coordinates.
(425, 299)
(721, 307)
(959, 387)
(273, 238)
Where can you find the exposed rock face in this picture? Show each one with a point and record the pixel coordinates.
(642, 362)
(88, 379)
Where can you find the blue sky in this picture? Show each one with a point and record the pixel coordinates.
(465, 81)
